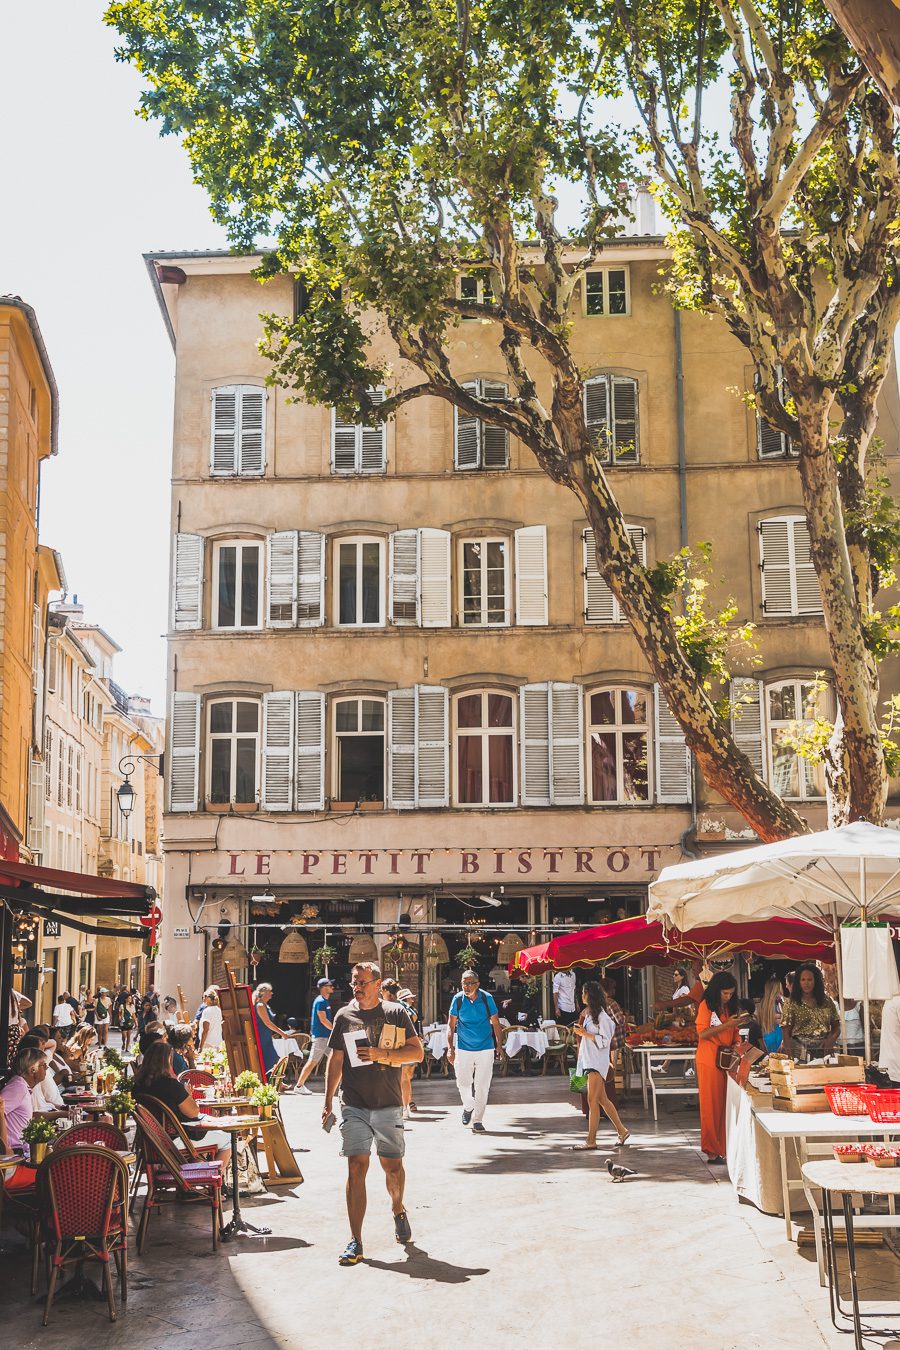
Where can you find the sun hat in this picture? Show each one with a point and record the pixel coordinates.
(322, 983)
(404, 994)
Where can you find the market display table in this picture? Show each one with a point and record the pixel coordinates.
(520, 1038)
(846, 1180)
(654, 1085)
(236, 1125)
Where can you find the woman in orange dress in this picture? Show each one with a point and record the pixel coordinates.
(718, 1019)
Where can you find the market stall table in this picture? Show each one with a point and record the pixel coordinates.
(236, 1125)
(846, 1180)
(654, 1086)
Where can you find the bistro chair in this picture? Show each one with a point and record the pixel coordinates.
(171, 1179)
(520, 1057)
(194, 1149)
(82, 1194)
(92, 1132)
(197, 1078)
(20, 1206)
(557, 1052)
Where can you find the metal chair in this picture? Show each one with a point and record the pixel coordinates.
(92, 1132)
(171, 1179)
(197, 1078)
(557, 1052)
(82, 1195)
(521, 1055)
(174, 1126)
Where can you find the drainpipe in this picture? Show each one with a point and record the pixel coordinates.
(688, 849)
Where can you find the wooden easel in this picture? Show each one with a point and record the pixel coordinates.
(245, 1052)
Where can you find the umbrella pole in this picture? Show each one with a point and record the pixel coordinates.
(839, 961)
(867, 1030)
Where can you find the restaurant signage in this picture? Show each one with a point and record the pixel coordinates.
(52, 928)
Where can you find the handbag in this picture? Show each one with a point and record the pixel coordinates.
(577, 1081)
(724, 1058)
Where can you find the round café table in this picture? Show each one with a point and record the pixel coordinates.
(235, 1125)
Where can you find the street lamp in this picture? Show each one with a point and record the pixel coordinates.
(125, 792)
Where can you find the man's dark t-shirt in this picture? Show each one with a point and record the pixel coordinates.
(371, 1086)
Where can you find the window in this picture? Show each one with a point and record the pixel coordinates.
(606, 292)
(485, 758)
(484, 582)
(48, 764)
(611, 414)
(63, 678)
(771, 443)
(618, 728)
(356, 448)
(790, 586)
(60, 772)
(237, 585)
(790, 706)
(233, 750)
(475, 286)
(359, 588)
(238, 431)
(477, 444)
(359, 750)
(78, 773)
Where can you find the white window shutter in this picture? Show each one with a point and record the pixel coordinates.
(224, 435)
(184, 752)
(281, 578)
(372, 455)
(465, 435)
(625, 420)
(343, 445)
(775, 565)
(402, 748)
(806, 581)
(432, 768)
(252, 444)
(534, 732)
(278, 751)
(188, 584)
(434, 578)
(596, 412)
(673, 759)
(531, 575)
(404, 577)
(309, 764)
(52, 660)
(566, 745)
(747, 721)
(494, 440)
(310, 579)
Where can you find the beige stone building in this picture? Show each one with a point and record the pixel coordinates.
(397, 684)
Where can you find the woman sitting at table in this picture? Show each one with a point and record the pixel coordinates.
(75, 1053)
(28, 1070)
(181, 1039)
(718, 1019)
(156, 1080)
(810, 1023)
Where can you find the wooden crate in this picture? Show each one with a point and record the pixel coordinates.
(801, 1101)
(798, 1087)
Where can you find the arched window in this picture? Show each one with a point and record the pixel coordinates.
(485, 749)
(618, 736)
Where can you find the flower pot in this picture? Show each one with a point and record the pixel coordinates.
(38, 1152)
(120, 1119)
(265, 1111)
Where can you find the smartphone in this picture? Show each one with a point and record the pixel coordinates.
(329, 1122)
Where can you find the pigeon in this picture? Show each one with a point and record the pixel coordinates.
(618, 1172)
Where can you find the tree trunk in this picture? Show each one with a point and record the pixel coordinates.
(873, 29)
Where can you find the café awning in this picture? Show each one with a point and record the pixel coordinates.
(75, 897)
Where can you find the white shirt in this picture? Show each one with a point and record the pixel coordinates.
(853, 1023)
(46, 1095)
(212, 1016)
(564, 989)
(63, 1015)
(594, 1053)
(889, 1056)
(683, 991)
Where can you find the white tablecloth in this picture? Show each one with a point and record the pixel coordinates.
(537, 1041)
(286, 1045)
(436, 1041)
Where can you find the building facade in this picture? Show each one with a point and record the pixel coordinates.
(403, 704)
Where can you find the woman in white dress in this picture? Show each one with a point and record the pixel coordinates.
(595, 1033)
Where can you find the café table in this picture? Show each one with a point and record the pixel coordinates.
(235, 1125)
(436, 1040)
(846, 1180)
(653, 1086)
(522, 1038)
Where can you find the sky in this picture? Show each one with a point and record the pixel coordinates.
(87, 188)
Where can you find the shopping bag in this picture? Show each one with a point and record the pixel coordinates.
(577, 1081)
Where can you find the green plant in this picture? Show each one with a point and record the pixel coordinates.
(466, 957)
(264, 1096)
(38, 1130)
(533, 985)
(247, 1082)
(113, 1059)
(321, 957)
(121, 1102)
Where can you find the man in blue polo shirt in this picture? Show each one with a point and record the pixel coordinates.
(320, 1025)
(472, 1044)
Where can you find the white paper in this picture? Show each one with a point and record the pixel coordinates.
(353, 1039)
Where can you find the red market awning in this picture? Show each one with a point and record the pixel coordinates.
(635, 942)
(82, 883)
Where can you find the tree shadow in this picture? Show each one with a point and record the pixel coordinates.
(420, 1266)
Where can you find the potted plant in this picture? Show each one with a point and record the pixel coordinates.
(321, 957)
(264, 1099)
(121, 1104)
(256, 954)
(113, 1059)
(392, 955)
(37, 1134)
(247, 1082)
(466, 957)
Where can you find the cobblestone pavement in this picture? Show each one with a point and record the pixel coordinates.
(517, 1238)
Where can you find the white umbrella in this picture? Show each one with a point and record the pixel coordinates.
(824, 877)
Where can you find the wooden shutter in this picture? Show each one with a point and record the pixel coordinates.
(372, 456)
(566, 745)
(281, 579)
(434, 578)
(432, 744)
(534, 735)
(278, 751)
(465, 435)
(404, 577)
(252, 444)
(52, 661)
(673, 759)
(596, 412)
(771, 444)
(625, 420)
(36, 806)
(310, 579)
(402, 748)
(494, 440)
(184, 752)
(600, 605)
(806, 582)
(224, 435)
(747, 721)
(531, 575)
(188, 585)
(309, 763)
(343, 446)
(775, 537)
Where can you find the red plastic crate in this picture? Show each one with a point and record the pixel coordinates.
(847, 1099)
(883, 1105)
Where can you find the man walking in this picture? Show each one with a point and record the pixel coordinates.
(320, 1027)
(370, 1041)
(473, 1041)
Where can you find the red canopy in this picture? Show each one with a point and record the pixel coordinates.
(635, 942)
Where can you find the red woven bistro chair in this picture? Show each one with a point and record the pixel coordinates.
(175, 1128)
(92, 1132)
(197, 1078)
(170, 1178)
(82, 1193)
(20, 1206)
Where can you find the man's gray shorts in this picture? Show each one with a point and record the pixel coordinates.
(318, 1050)
(384, 1126)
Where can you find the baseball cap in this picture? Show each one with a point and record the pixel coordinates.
(322, 983)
